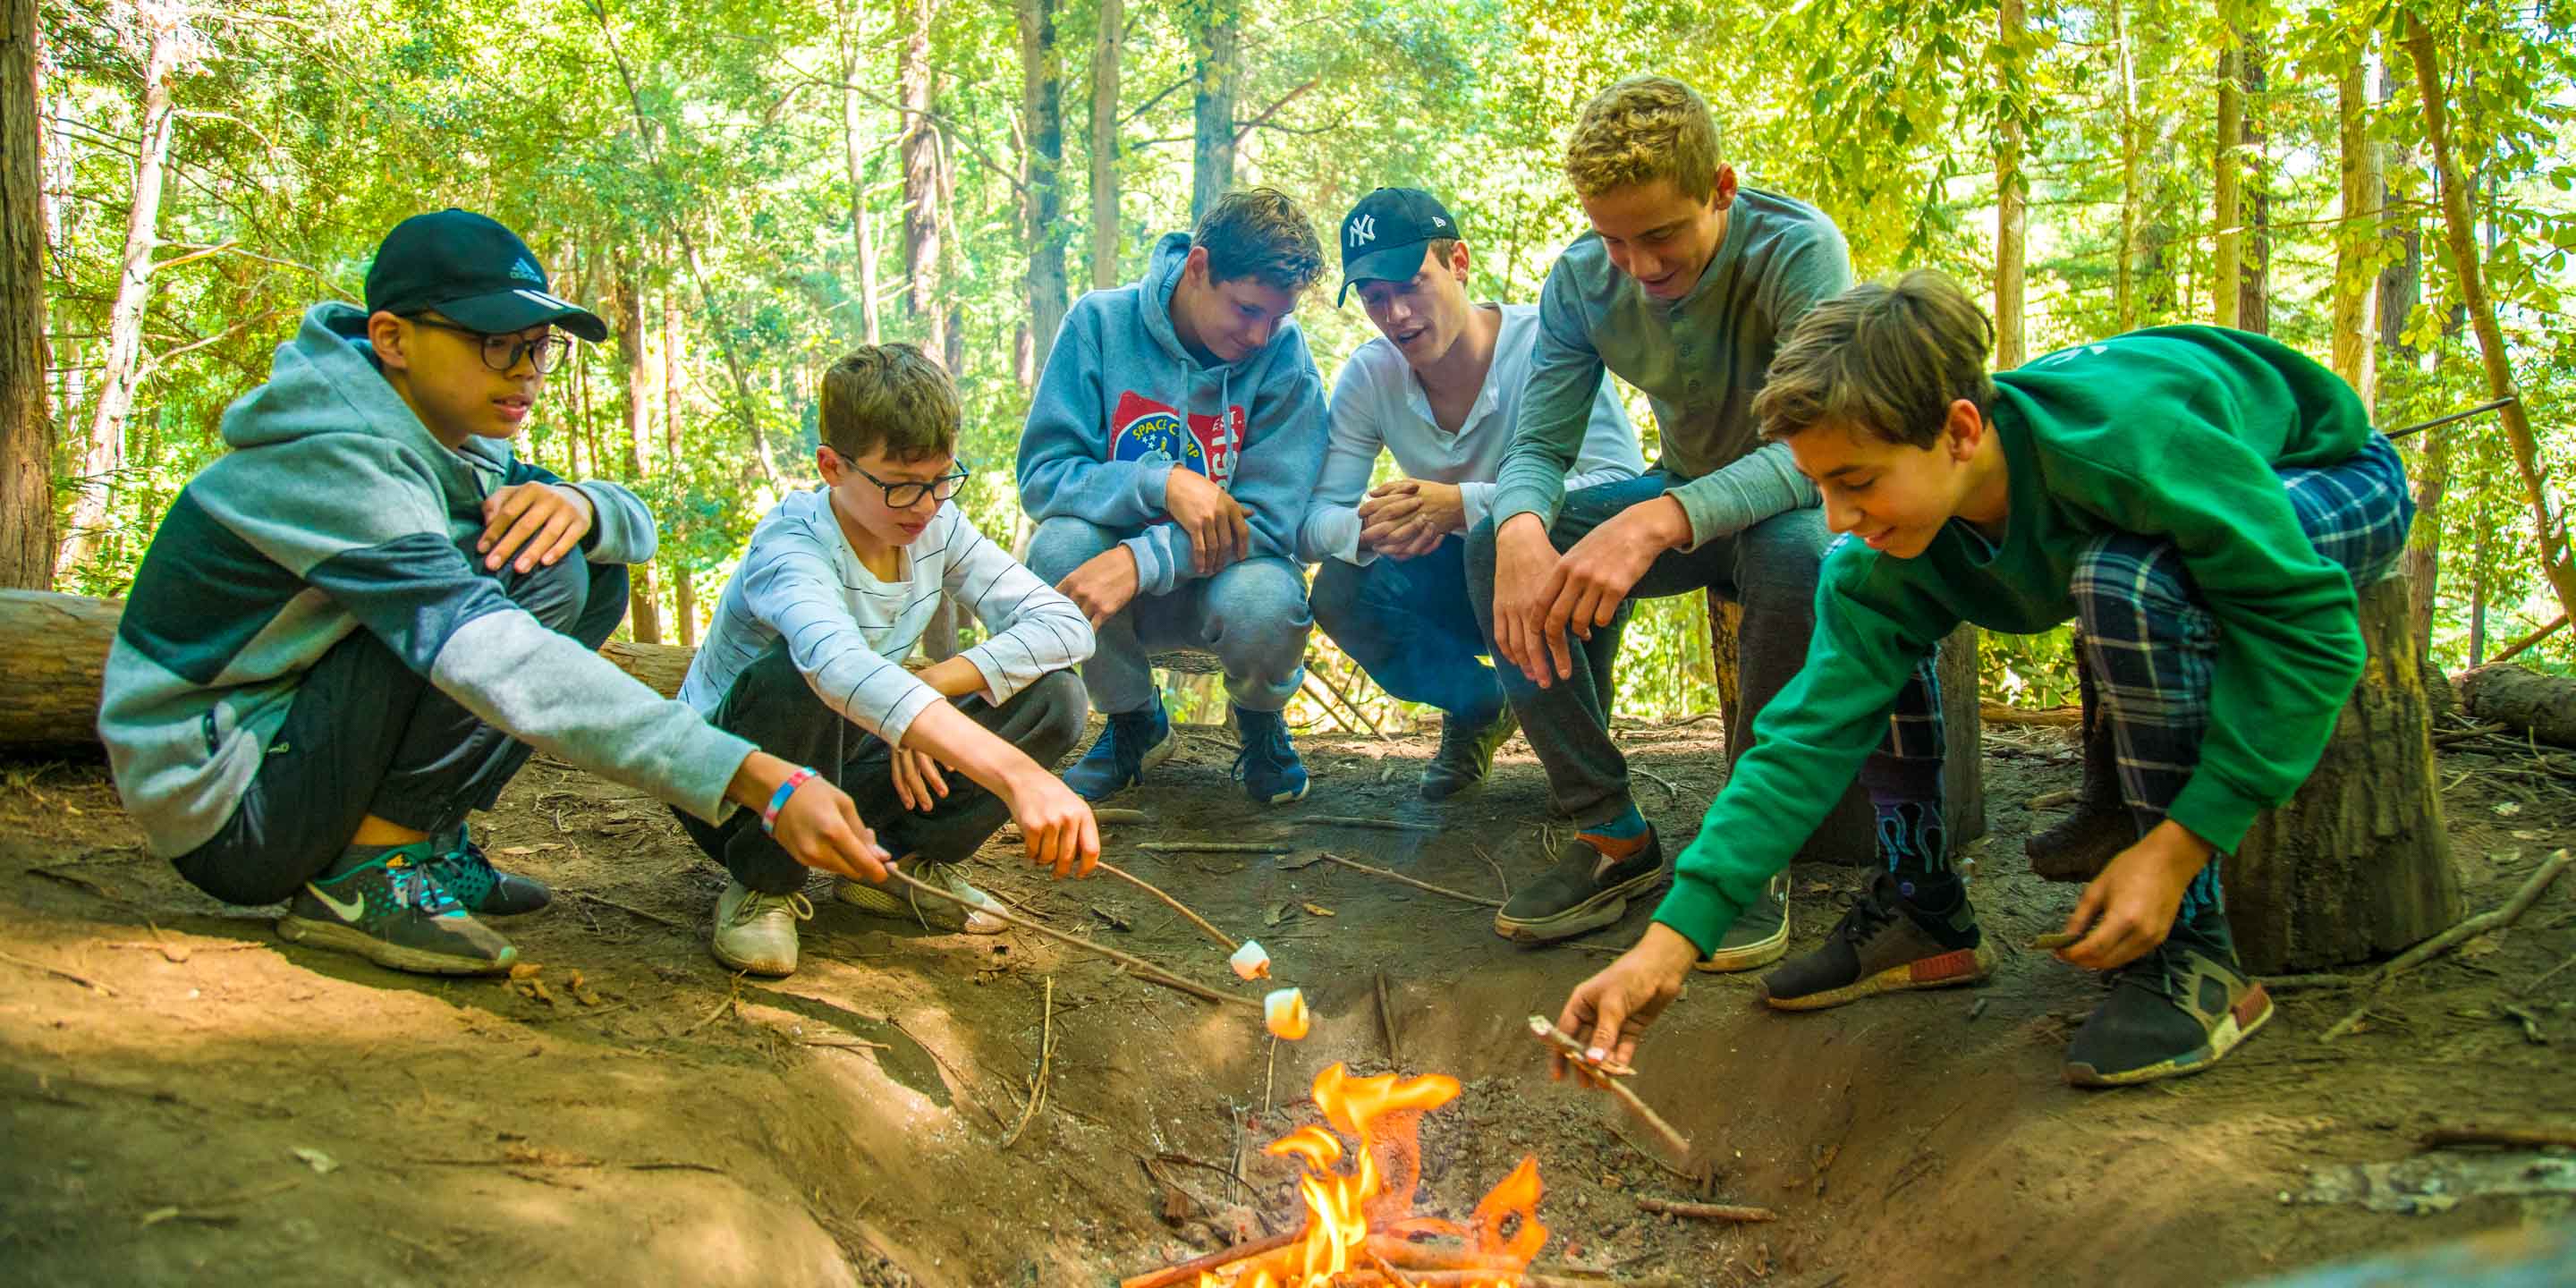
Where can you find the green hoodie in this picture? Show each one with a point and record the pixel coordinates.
(2175, 433)
(337, 511)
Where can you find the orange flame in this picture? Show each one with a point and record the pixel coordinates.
(1360, 1219)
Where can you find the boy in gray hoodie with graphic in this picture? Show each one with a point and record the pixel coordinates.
(1176, 435)
(349, 631)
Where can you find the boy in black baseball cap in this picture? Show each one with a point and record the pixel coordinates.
(350, 629)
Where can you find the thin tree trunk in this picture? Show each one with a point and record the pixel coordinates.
(1042, 99)
(26, 419)
(2124, 285)
(1215, 76)
(2356, 293)
(2012, 195)
(2401, 283)
(2424, 542)
(921, 184)
(862, 233)
(2478, 580)
(1104, 145)
(647, 606)
(104, 457)
(2227, 270)
(684, 599)
(2458, 230)
(2254, 287)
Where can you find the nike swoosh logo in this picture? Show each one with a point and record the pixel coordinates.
(348, 912)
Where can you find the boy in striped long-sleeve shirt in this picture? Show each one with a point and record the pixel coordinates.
(808, 641)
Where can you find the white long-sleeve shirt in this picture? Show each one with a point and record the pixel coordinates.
(848, 631)
(1379, 403)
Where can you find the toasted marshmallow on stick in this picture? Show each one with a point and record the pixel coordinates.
(1284, 1013)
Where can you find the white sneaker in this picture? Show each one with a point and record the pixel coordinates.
(901, 903)
(756, 932)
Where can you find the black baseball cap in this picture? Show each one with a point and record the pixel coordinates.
(475, 271)
(1383, 236)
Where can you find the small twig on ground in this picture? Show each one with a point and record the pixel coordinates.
(676, 1165)
(1176, 905)
(1143, 969)
(57, 971)
(1046, 1061)
(1380, 824)
(1671, 793)
(2468, 928)
(1606, 1077)
(1212, 847)
(2544, 977)
(848, 1044)
(1478, 900)
(1109, 815)
(1708, 1211)
(2507, 1137)
(629, 911)
(732, 1002)
(1499, 878)
(76, 879)
(1189, 1271)
(2323, 979)
(1386, 1021)
(2055, 800)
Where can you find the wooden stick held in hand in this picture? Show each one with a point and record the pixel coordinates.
(1144, 969)
(1229, 942)
(1565, 1045)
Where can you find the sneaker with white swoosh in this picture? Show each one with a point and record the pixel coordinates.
(392, 911)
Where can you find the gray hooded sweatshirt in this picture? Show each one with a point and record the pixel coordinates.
(337, 511)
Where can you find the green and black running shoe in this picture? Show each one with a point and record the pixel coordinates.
(484, 890)
(392, 912)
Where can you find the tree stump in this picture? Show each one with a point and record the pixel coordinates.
(1849, 834)
(2358, 863)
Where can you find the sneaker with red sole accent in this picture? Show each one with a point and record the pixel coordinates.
(1886, 943)
(2177, 1010)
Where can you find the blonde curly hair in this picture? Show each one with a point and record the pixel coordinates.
(1642, 129)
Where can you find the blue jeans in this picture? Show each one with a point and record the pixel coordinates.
(1251, 614)
(1409, 624)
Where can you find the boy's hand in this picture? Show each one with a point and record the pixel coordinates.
(916, 778)
(538, 522)
(1595, 576)
(1056, 825)
(1609, 1013)
(1403, 541)
(1524, 570)
(1219, 533)
(818, 826)
(2135, 897)
(1104, 584)
(1440, 506)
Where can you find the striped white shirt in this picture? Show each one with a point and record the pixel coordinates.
(848, 631)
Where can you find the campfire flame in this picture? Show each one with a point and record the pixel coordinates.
(1360, 1225)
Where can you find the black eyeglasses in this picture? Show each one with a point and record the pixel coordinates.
(904, 496)
(502, 352)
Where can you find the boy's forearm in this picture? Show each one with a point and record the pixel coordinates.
(954, 678)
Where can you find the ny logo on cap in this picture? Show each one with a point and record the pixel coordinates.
(526, 271)
(1364, 229)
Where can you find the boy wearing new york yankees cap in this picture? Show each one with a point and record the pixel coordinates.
(349, 630)
(1439, 388)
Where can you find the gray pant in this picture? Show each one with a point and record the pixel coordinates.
(771, 705)
(1770, 569)
(1251, 614)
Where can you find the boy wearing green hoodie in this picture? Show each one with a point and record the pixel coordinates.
(2204, 499)
(351, 630)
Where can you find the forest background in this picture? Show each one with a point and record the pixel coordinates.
(745, 190)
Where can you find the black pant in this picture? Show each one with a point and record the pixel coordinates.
(368, 735)
(771, 705)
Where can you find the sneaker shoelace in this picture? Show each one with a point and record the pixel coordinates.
(1129, 736)
(1269, 749)
(950, 877)
(1868, 914)
(415, 886)
(2155, 974)
(466, 873)
(761, 904)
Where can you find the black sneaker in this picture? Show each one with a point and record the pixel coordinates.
(2176, 1010)
(482, 889)
(1466, 754)
(1586, 890)
(1267, 766)
(1134, 742)
(1758, 935)
(392, 912)
(1886, 943)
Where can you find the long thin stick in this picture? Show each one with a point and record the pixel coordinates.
(1546, 1031)
(2520, 1137)
(1212, 847)
(2468, 928)
(1381, 824)
(1478, 900)
(1190, 1269)
(1145, 970)
(1046, 1057)
(1386, 1021)
(82, 980)
(1708, 1211)
(1175, 904)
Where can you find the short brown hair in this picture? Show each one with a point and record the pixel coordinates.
(1886, 359)
(1642, 129)
(889, 395)
(1260, 233)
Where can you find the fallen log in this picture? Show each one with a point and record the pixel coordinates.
(2543, 706)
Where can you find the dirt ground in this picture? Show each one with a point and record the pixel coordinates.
(188, 1099)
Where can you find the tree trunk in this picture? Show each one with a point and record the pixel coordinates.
(1042, 103)
(2124, 287)
(2401, 283)
(2254, 287)
(2543, 705)
(1212, 49)
(104, 458)
(2358, 864)
(863, 242)
(2423, 559)
(1104, 146)
(684, 599)
(2458, 231)
(921, 182)
(26, 417)
(1849, 835)
(2012, 195)
(2227, 268)
(638, 438)
(2356, 294)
